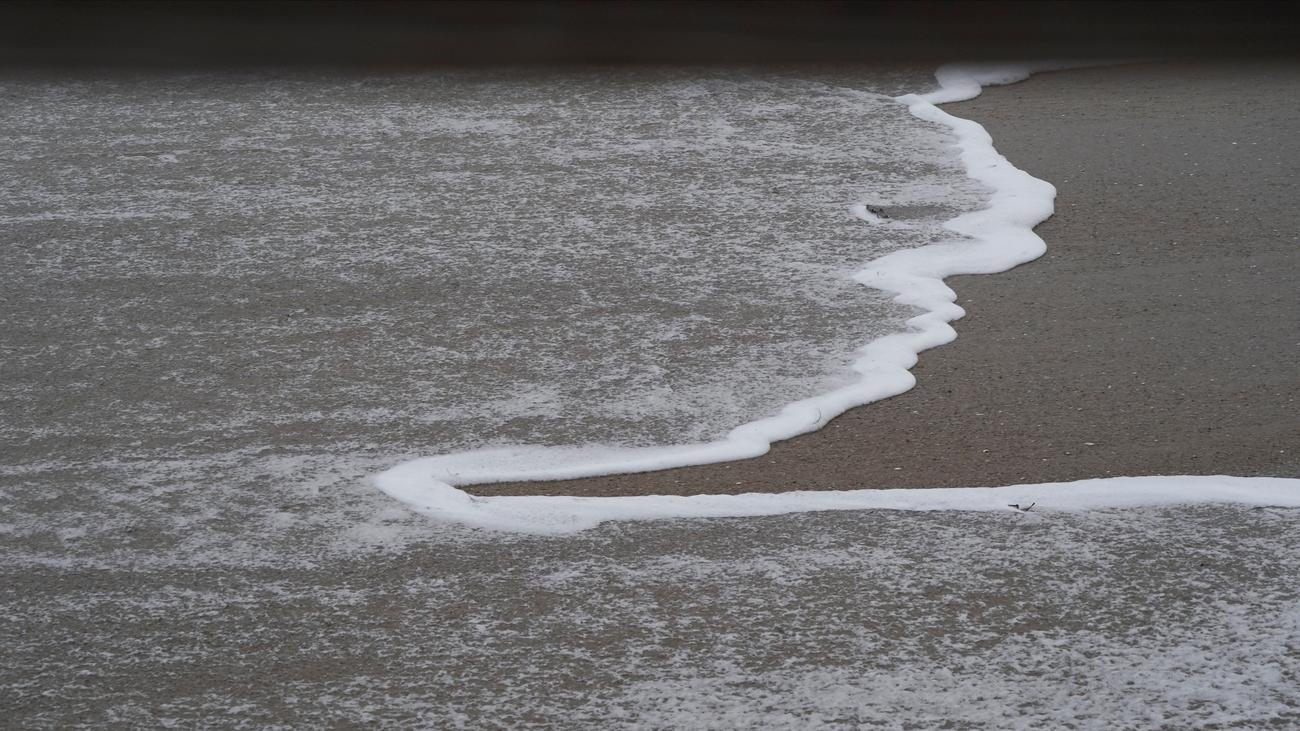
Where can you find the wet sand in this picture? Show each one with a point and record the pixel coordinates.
(1158, 335)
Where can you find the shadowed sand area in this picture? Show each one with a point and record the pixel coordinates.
(1158, 335)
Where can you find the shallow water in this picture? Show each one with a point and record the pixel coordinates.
(228, 298)
(1184, 617)
(440, 262)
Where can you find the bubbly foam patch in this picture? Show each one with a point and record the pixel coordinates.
(451, 261)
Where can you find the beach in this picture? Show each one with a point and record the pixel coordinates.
(1156, 336)
(223, 585)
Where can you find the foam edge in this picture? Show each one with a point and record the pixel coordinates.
(998, 237)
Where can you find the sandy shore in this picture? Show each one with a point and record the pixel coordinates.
(236, 589)
(1157, 336)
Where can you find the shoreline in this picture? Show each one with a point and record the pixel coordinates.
(1141, 366)
(995, 238)
(201, 582)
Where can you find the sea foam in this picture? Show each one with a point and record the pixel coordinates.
(551, 514)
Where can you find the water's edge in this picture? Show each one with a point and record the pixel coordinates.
(1000, 237)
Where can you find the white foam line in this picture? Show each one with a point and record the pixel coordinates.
(999, 237)
(564, 514)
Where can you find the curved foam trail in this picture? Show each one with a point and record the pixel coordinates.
(411, 483)
(999, 237)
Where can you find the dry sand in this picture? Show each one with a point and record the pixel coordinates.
(1158, 335)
